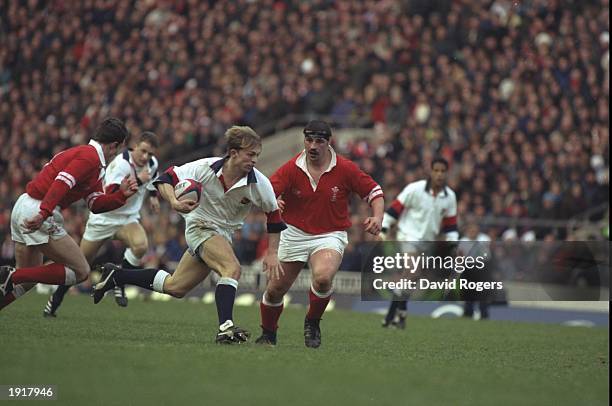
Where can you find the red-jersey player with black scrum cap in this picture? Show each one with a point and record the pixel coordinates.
(314, 190)
(36, 220)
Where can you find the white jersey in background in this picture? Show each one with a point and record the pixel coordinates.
(120, 167)
(421, 216)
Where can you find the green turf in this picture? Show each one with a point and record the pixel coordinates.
(162, 353)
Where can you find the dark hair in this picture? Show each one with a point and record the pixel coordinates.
(318, 128)
(439, 160)
(110, 130)
(149, 137)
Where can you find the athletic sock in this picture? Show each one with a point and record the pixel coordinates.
(318, 303)
(270, 313)
(130, 261)
(225, 294)
(51, 274)
(145, 278)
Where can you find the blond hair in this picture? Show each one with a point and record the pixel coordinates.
(241, 137)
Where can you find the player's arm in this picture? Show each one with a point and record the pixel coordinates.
(165, 185)
(152, 192)
(119, 185)
(372, 193)
(113, 198)
(395, 210)
(280, 183)
(449, 222)
(75, 172)
(275, 225)
(373, 225)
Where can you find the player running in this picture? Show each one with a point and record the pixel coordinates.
(230, 187)
(314, 188)
(422, 210)
(37, 225)
(123, 223)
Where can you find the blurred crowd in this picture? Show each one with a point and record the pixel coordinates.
(515, 94)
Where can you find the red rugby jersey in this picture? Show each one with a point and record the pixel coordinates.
(73, 174)
(321, 208)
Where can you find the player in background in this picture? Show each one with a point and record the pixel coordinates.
(230, 187)
(474, 243)
(122, 223)
(314, 189)
(37, 225)
(422, 210)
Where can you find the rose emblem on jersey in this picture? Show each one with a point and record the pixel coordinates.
(334, 191)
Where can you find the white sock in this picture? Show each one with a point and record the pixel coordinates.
(131, 258)
(158, 281)
(70, 277)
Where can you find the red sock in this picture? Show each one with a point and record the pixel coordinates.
(270, 316)
(52, 274)
(317, 305)
(8, 299)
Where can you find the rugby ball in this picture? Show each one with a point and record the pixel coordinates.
(188, 189)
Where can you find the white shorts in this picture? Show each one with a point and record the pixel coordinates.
(104, 227)
(297, 245)
(27, 207)
(197, 232)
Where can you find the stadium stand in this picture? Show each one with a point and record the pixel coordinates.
(514, 94)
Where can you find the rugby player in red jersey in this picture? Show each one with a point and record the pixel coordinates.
(37, 223)
(314, 189)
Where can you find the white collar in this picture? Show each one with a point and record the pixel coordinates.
(301, 160)
(301, 163)
(98, 148)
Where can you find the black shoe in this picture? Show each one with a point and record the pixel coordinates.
(107, 281)
(230, 334)
(267, 337)
(388, 324)
(49, 310)
(6, 284)
(312, 333)
(120, 296)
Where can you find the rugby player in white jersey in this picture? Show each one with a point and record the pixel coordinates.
(230, 187)
(422, 211)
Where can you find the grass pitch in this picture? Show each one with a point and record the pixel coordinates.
(155, 353)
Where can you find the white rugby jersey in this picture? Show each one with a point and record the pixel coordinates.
(421, 216)
(119, 168)
(220, 208)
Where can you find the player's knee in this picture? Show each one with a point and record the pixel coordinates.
(139, 249)
(323, 283)
(232, 271)
(81, 272)
(275, 294)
